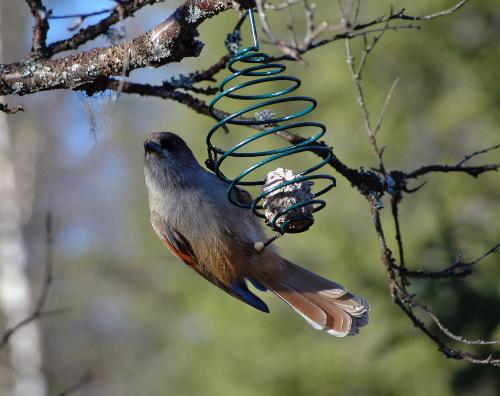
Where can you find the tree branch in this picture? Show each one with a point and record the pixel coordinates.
(349, 28)
(459, 166)
(458, 269)
(121, 11)
(406, 302)
(38, 310)
(10, 110)
(171, 41)
(401, 15)
(365, 181)
(40, 29)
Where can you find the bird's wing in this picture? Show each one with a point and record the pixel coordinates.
(242, 195)
(181, 247)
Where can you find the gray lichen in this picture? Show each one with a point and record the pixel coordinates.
(194, 13)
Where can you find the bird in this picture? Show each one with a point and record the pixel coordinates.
(191, 214)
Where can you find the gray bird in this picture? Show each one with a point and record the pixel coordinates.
(191, 214)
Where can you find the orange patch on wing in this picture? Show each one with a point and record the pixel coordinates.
(186, 257)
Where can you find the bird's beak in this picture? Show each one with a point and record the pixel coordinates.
(152, 147)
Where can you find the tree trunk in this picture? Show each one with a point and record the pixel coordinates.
(25, 351)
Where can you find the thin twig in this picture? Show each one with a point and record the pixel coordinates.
(10, 110)
(291, 26)
(386, 105)
(170, 41)
(438, 14)
(399, 240)
(350, 29)
(279, 7)
(82, 15)
(310, 26)
(401, 15)
(95, 30)
(476, 153)
(406, 302)
(470, 170)
(448, 333)
(355, 74)
(458, 269)
(38, 310)
(40, 28)
(459, 166)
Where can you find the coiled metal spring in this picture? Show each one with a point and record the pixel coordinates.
(262, 70)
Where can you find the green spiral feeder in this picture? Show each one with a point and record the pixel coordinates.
(286, 201)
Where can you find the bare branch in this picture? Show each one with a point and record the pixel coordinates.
(281, 6)
(310, 26)
(291, 26)
(458, 269)
(401, 15)
(386, 105)
(386, 254)
(350, 28)
(470, 170)
(40, 29)
(399, 239)
(438, 14)
(406, 303)
(395, 183)
(160, 91)
(10, 110)
(172, 40)
(364, 181)
(127, 9)
(356, 77)
(80, 18)
(459, 166)
(288, 49)
(448, 333)
(82, 15)
(38, 310)
(208, 74)
(476, 153)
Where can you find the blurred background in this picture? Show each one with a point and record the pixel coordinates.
(138, 322)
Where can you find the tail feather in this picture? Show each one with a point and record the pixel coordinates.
(315, 316)
(324, 304)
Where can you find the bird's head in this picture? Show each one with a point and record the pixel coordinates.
(167, 156)
(167, 148)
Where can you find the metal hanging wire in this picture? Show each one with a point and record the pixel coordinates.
(261, 69)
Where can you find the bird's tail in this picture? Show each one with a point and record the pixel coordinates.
(324, 304)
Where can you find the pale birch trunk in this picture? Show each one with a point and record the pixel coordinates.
(24, 347)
